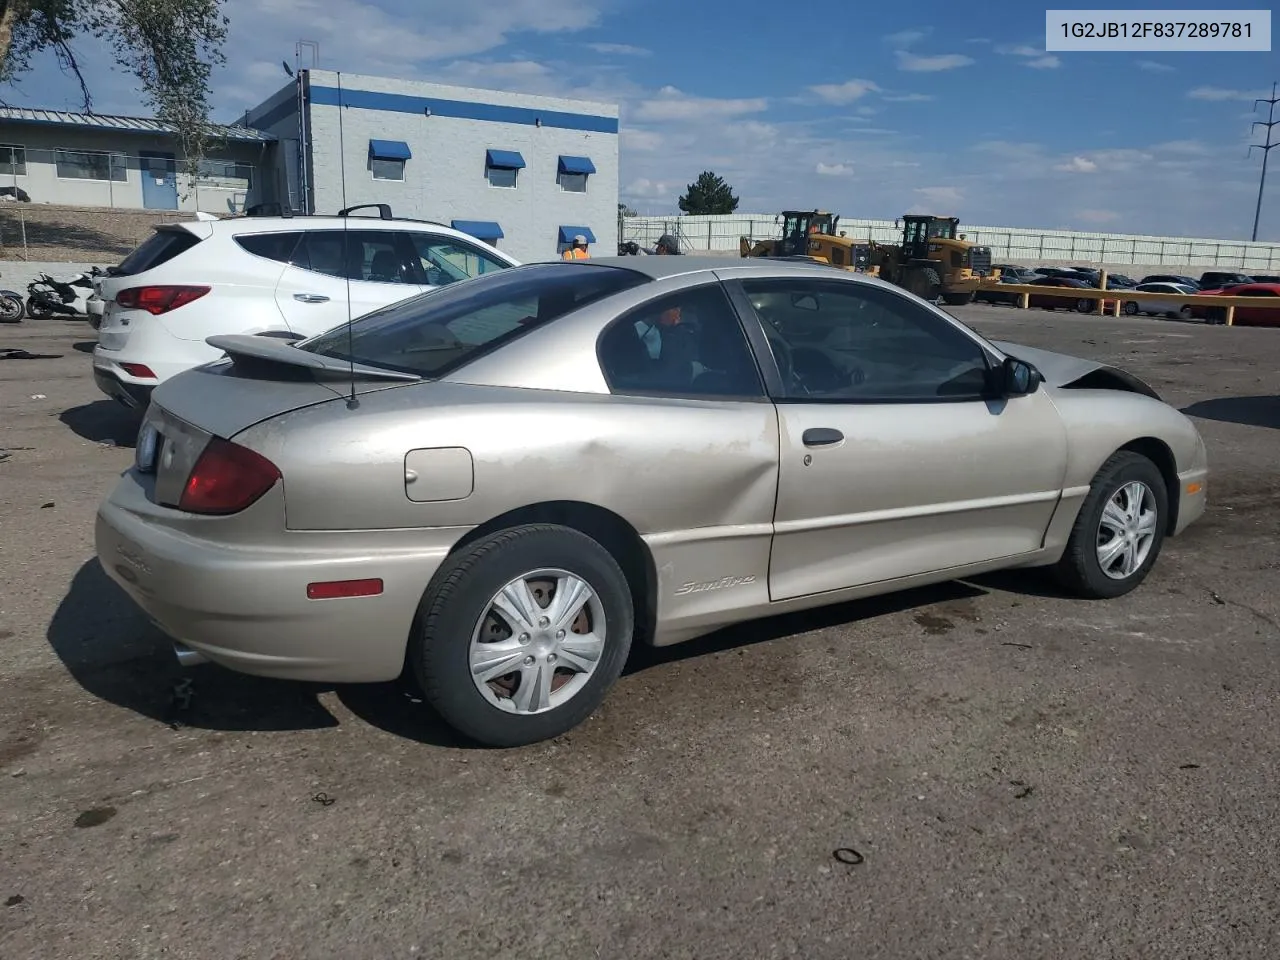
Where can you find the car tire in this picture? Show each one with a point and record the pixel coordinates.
(1081, 568)
(458, 610)
(1130, 308)
(1084, 306)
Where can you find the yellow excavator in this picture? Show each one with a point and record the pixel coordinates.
(931, 261)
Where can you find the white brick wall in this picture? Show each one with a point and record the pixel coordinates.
(445, 179)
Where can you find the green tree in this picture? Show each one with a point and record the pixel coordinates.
(170, 46)
(709, 195)
(626, 211)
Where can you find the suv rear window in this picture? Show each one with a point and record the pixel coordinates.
(436, 332)
(161, 247)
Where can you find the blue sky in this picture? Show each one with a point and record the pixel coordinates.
(871, 112)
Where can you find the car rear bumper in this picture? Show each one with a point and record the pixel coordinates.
(245, 605)
(131, 394)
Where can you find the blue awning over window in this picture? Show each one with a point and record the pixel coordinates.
(504, 159)
(577, 165)
(568, 233)
(480, 229)
(389, 150)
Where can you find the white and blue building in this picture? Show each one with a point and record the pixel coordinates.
(525, 173)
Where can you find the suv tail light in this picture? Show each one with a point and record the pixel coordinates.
(227, 478)
(159, 299)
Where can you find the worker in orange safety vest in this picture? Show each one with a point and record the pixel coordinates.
(579, 249)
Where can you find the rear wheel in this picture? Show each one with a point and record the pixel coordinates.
(1119, 531)
(36, 310)
(1084, 306)
(1130, 307)
(523, 634)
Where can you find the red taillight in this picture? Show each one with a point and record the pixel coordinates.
(138, 370)
(159, 299)
(227, 478)
(340, 589)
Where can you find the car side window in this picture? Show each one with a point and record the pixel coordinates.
(684, 344)
(857, 342)
(272, 246)
(373, 256)
(446, 260)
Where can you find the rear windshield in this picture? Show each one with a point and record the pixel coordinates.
(438, 331)
(161, 247)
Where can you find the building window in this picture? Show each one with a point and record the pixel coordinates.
(13, 160)
(90, 165)
(501, 167)
(387, 159)
(572, 173)
(387, 169)
(225, 173)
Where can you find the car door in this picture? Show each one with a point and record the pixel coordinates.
(895, 460)
(336, 275)
(1266, 313)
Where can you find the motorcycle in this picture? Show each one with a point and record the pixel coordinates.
(47, 296)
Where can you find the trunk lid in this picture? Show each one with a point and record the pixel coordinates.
(261, 378)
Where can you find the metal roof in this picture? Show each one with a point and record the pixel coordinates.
(120, 124)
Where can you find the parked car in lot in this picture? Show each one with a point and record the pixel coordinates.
(1048, 301)
(1171, 278)
(1020, 274)
(501, 485)
(1162, 308)
(296, 275)
(1265, 314)
(996, 295)
(1217, 279)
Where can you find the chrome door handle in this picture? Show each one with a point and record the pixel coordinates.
(311, 297)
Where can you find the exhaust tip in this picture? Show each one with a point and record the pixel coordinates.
(188, 657)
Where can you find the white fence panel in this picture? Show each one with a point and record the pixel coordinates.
(1006, 243)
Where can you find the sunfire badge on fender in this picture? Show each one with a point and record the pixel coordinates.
(720, 584)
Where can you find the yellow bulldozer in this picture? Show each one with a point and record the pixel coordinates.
(931, 261)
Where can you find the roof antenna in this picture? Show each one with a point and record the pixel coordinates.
(352, 402)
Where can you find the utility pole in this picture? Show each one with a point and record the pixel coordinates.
(1266, 148)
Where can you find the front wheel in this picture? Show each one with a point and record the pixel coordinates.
(523, 634)
(37, 310)
(1119, 531)
(12, 310)
(1130, 308)
(1084, 306)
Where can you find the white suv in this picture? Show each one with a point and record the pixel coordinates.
(277, 275)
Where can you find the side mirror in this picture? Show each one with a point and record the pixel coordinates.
(1018, 378)
(804, 301)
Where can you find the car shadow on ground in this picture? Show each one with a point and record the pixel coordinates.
(103, 421)
(84, 346)
(1248, 411)
(115, 654)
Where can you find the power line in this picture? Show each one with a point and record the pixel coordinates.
(1266, 148)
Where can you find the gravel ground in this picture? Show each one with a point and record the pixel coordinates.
(1022, 775)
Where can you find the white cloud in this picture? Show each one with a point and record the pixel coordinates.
(942, 61)
(1154, 66)
(846, 92)
(1218, 94)
(868, 111)
(640, 140)
(907, 98)
(619, 49)
(1031, 56)
(940, 195)
(1078, 165)
(673, 105)
(834, 169)
(904, 38)
(645, 189)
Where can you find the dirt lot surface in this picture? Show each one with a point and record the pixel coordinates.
(1022, 775)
